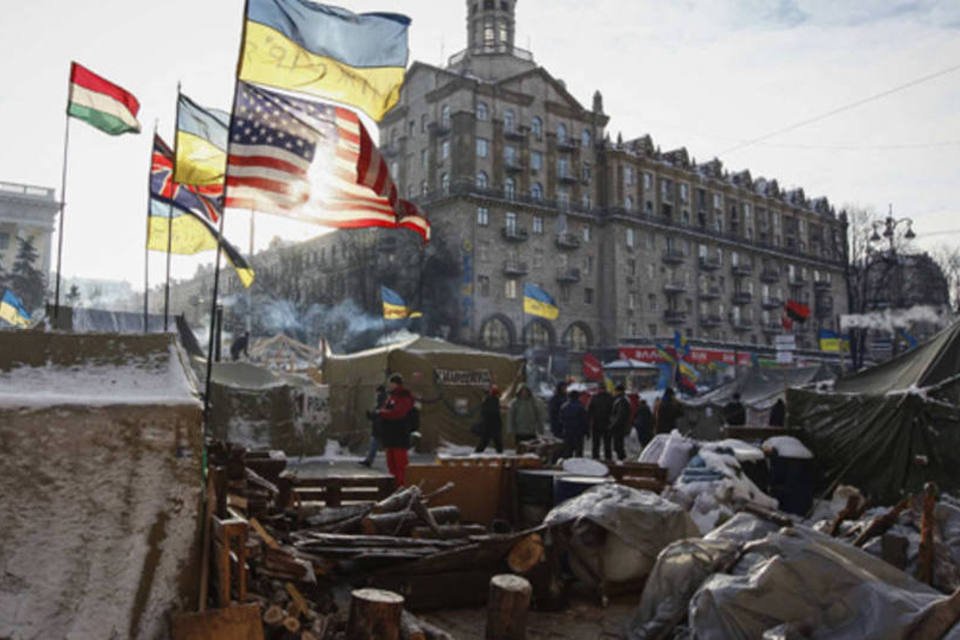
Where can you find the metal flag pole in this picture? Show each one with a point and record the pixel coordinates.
(173, 173)
(63, 206)
(146, 245)
(249, 323)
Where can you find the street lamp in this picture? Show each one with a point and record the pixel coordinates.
(890, 225)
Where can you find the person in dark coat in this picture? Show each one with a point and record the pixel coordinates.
(668, 412)
(734, 413)
(376, 426)
(240, 346)
(491, 421)
(599, 415)
(556, 402)
(643, 423)
(620, 421)
(574, 425)
(778, 414)
(395, 427)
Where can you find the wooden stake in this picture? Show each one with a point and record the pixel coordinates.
(374, 615)
(507, 608)
(882, 523)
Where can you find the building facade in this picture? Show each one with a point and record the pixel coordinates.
(28, 212)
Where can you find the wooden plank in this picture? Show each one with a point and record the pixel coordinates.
(266, 537)
(240, 622)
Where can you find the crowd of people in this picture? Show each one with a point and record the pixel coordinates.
(571, 416)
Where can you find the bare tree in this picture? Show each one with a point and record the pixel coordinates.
(947, 256)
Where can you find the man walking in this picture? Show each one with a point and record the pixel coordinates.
(620, 421)
(556, 403)
(573, 425)
(601, 405)
(395, 427)
(526, 416)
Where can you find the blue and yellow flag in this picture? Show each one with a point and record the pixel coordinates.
(394, 307)
(680, 344)
(326, 51)
(12, 310)
(537, 302)
(832, 342)
(201, 146)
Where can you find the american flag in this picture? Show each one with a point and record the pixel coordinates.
(311, 161)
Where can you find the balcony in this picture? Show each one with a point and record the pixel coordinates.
(673, 256)
(709, 263)
(566, 144)
(513, 165)
(516, 134)
(770, 275)
(741, 325)
(742, 297)
(671, 316)
(568, 241)
(709, 293)
(710, 321)
(568, 275)
(742, 269)
(797, 280)
(822, 285)
(772, 328)
(772, 303)
(515, 268)
(672, 288)
(513, 233)
(566, 178)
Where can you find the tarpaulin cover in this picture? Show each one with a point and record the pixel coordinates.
(642, 519)
(814, 584)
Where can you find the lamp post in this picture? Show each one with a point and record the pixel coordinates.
(889, 226)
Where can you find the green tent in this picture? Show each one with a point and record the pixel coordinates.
(891, 428)
(449, 381)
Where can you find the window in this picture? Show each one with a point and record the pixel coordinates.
(445, 183)
(502, 30)
(510, 154)
(510, 222)
(586, 139)
(628, 203)
(587, 265)
(411, 127)
(482, 180)
(445, 150)
(629, 176)
(648, 207)
(586, 201)
(538, 225)
(563, 167)
(631, 301)
(586, 233)
(536, 160)
(394, 170)
(735, 259)
(563, 199)
(509, 121)
(631, 237)
(632, 267)
(588, 296)
(510, 188)
(423, 123)
(483, 147)
(561, 132)
(536, 126)
(510, 289)
(483, 252)
(647, 181)
(495, 334)
(536, 192)
(685, 193)
(483, 284)
(445, 116)
(423, 158)
(482, 112)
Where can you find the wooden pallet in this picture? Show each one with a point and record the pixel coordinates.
(336, 491)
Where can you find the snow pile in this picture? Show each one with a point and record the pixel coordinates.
(154, 378)
(787, 447)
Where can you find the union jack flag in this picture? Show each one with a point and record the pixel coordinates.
(311, 161)
(186, 197)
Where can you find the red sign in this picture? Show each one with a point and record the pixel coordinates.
(697, 356)
(592, 369)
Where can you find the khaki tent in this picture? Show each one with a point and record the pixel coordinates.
(890, 428)
(449, 380)
(100, 485)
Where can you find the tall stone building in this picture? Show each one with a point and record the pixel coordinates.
(27, 212)
(523, 184)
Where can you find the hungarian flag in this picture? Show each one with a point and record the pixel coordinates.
(798, 312)
(101, 103)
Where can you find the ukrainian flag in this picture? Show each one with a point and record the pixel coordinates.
(832, 342)
(201, 144)
(537, 302)
(394, 307)
(12, 311)
(326, 51)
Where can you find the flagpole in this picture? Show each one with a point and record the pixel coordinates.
(166, 287)
(63, 208)
(146, 245)
(250, 293)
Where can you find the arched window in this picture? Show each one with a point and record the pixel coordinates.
(445, 183)
(537, 334)
(445, 116)
(537, 191)
(510, 188)
(482, 181)
(509, 120)
(561, 132)
(482, 112)
(536, 126)
(577, 338)
(587, 139)
(495, 334)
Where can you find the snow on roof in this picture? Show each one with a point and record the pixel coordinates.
(153, 378)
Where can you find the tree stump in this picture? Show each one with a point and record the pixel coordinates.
(526, 554)
(374, 615)
(507, 608)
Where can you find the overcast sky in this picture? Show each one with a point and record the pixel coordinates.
(707, 75)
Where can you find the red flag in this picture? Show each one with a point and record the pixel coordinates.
(797, 311)
(592, 369)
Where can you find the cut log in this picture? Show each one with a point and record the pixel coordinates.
(410, 628)
(882, 523)
(399, 501)
(507, 608)
(437, 492)
(526, 554)
(927, 525)
(449, 531)
(396, 524)
(273, 617)
(291, 625)
(374, 615)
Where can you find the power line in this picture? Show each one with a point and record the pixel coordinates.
(846, 107)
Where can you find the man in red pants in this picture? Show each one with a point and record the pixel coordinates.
(396, 428)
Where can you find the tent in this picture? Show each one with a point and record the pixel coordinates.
(100, 489)
(759, 389)
(283, 352)
(892, 427)
(449, 380)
